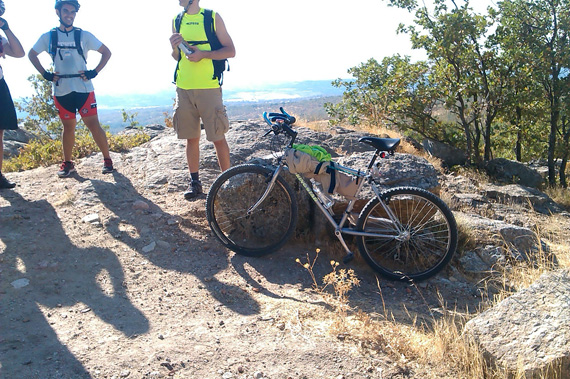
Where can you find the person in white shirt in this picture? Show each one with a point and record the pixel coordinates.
(72, 86)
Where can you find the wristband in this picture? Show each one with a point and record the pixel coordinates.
(48, 76)
(5, 26)
(90, 74)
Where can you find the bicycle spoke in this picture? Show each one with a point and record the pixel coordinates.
(263, 229)
(427, 239)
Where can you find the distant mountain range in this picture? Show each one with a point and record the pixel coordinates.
(305, 99)
(308, 98)
(269, 92)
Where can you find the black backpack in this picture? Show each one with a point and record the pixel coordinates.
(219, 65)
(53, 46)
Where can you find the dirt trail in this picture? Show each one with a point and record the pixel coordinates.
(103, 278)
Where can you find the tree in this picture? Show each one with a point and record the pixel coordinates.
(541, 28)
(395, 93)
(131, 118)
(466, 65)
(42, 116)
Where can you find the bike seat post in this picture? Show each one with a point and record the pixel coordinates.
(373, 159)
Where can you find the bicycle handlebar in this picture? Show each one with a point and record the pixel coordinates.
(280, 122)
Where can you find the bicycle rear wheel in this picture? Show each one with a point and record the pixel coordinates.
(261, 231)
(415, 245)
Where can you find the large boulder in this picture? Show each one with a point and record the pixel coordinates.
(248, 145)
(18, 135)
(529, 331)
(509, 171)
(451, 156)
(14, 140)
(397, 170)
(516, 242)
(519, 194)
(153, 130)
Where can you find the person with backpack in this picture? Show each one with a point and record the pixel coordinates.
(72, 87)
(201, 45)
(11, 46)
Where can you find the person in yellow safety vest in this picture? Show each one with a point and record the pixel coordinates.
(198, 90)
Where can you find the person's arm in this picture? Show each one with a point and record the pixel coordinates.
(33, 56)
(14, 47)
(227, 51)
(175, 40)
(105, 56)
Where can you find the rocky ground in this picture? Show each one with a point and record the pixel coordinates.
(117, 276)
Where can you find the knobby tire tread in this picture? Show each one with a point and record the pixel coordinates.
(269, 227)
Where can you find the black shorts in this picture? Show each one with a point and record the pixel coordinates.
(76, 102)
(8, 118)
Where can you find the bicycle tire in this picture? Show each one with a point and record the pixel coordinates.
(270, 225)
(428, 244)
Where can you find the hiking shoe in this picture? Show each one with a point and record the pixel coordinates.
(193, 190)
(66, 168)
(107, 166)
(5, 183)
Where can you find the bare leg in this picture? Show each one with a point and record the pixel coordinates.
(68, 138)
(92, 123)
(223, 153)
(193, 154)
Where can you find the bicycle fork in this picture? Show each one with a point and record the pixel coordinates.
(267, 190)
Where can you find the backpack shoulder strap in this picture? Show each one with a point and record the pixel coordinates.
(77, 36)
(219, 65)
(178, 21)
(210, 30)
(177, 26)
(331, 170)
(52, 43)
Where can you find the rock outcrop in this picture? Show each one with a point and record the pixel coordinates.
(529, 330)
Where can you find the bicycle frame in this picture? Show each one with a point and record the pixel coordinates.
(338, 227)
(404, 233)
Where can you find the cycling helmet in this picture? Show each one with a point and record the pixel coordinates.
(59, 3)
(2, 8)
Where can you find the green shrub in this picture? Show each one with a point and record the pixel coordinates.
(46, 152)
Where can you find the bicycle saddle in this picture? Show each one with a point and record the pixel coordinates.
(382, 144)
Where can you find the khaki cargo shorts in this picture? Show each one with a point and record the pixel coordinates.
(195, 104)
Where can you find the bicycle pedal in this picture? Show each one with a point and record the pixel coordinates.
(348, 258)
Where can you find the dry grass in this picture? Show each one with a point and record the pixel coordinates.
(319, 126)
(438, 345)
(467, 236)
(66, 199)
(560, 195)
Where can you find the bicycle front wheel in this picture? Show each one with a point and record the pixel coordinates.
(415, 234)
(261, 230)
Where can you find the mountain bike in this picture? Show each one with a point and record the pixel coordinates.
(403, 233)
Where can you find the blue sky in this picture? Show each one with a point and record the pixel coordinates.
(276, 41)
